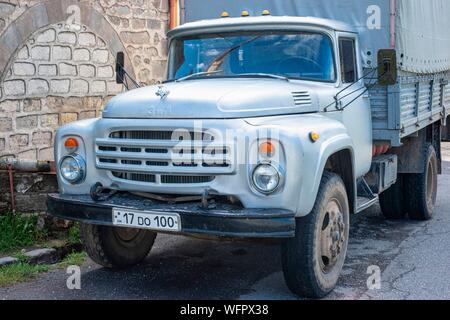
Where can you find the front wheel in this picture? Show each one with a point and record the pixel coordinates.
(313, 260)
(114, 247)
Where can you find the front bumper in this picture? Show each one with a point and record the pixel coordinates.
(221, 220)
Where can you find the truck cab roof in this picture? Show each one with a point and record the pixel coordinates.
(244, 23)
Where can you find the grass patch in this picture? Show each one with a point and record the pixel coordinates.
(17, 231)
(73, 259)
(73, 235)
(20, 272)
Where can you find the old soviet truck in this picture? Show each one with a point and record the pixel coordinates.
(277, 120)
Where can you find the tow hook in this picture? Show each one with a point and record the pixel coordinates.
(99, 194)
(205, 196)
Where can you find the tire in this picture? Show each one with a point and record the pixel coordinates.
(311, 268)
(420, 191)
(116, 248)
(391, 201)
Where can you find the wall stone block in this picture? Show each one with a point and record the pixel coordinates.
(38, 87)
(79, 86)
(66, 69)
(5, 124)
(81, 55)
(48, 70)
(62, 53)
(50, 120)
(59, 86)
(46, 36)
(87, 39)
(40, 53)
(18, 140)
(27, 122)
(31, 105)
(14, 88)
(100, 55)
(87, 71)
(42, 138)
(67, 37)
(68, 117)
(24, 69)
(105, 72)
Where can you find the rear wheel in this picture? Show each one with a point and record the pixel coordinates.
(114, 247)
(391, 201)
(421, 188)
(313, 260)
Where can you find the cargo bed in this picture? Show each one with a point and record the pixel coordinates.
(412, 104)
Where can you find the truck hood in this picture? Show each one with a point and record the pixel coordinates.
(216, 98)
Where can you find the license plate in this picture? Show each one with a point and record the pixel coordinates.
(146, 220)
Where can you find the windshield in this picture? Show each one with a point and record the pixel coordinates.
(298, 55)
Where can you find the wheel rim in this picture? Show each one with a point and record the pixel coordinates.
(332, 236)
(431, 185)
(126, 234)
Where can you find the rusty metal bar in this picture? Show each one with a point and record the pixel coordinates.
(11, 188)
(27, 166)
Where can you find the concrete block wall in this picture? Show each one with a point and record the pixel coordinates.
(57, 63)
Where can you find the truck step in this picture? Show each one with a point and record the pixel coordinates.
(363, 203)
(366, 198)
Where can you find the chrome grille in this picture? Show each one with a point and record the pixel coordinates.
(164, 157)
(165, 179)
(161, 135)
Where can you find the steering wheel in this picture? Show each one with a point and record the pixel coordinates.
(300, 61)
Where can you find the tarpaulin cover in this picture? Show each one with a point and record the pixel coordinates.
(422, 31)
(423, 35)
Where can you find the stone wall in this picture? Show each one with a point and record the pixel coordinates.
(57, 59)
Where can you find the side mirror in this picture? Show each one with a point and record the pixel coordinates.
(387, 67)
(120, 71)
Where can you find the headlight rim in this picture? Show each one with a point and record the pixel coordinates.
(82, 165)
(279, 172)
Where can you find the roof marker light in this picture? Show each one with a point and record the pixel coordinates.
(225, 14)
(245, 13)
(266, 13)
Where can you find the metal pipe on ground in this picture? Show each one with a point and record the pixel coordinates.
(24, 166)
(27, 166)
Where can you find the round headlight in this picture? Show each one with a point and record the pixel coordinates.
(72, 168)
(266, 178)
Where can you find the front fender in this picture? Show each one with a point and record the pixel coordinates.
(334, 137)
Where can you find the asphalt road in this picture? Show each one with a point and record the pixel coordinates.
(413, 257)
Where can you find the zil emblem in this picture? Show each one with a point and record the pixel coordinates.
(162, 92)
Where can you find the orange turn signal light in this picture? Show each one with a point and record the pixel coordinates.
(314, 136)
(267, 149)
(71, 144)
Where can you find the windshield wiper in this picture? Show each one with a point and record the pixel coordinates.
(262, 75)
(198, 74)
(220, 59)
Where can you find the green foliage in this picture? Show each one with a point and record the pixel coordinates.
(17, 230)
(20, 272)
(74, 234)
(73, 259)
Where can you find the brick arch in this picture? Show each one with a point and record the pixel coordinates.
(51, 12)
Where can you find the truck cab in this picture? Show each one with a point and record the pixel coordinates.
(263, 129)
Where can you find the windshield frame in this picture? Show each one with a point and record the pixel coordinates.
(303, 30)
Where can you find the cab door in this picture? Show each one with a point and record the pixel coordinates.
(357, 116)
